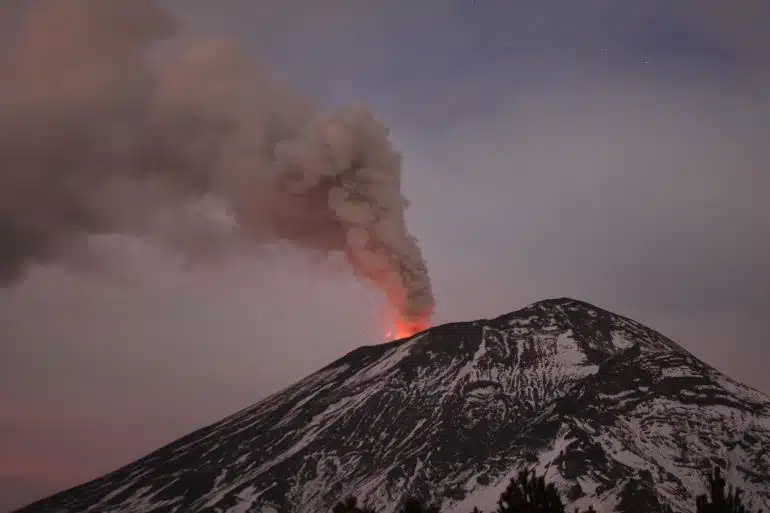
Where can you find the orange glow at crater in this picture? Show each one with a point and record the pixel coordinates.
(404, 328)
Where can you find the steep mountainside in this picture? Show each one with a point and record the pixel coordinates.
(617, 415)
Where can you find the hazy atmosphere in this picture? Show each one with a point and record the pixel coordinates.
(614, 152)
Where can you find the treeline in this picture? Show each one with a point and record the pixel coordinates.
(529, 493)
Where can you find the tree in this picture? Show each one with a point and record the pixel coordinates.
(527, 494)
(719, 502)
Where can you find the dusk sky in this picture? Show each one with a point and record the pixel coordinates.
(617, 152)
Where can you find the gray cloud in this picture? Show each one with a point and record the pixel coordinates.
(553, 169)
(98, 140)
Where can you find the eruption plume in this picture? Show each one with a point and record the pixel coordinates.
(100, 134)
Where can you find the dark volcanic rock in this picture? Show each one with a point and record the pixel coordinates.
(615, 413)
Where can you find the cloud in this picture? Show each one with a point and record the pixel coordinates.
(538, 165)
(98, 139)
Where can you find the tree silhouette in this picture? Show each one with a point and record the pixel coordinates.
(719, 502)
(528, 493)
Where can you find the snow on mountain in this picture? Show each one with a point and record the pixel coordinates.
(614, 413)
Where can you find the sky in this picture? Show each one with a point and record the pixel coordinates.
(612, 152)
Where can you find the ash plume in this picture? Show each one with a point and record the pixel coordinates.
(105, 130)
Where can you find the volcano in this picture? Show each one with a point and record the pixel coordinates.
(614, 413)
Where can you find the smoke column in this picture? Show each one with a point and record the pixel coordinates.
(102, 133)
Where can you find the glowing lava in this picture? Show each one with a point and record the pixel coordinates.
(407, 327)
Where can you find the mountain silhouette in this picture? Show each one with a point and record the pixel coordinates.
(615, 414)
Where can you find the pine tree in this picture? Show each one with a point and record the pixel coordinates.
(719, 502)
(527, 494)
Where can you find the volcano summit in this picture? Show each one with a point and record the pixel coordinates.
(614, 413)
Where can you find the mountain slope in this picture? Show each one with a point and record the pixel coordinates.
(618, 415)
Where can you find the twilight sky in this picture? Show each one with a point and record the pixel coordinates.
(615, 152)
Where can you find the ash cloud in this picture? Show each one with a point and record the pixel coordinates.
(104, 129)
